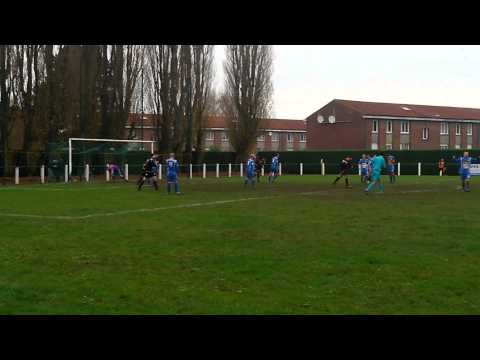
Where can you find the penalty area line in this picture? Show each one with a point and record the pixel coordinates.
(133, 211)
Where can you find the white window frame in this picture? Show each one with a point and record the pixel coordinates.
(303, 137)
(469, 146)
(457, 146)
(289, 137)
(389, 125)
(444, 128)
(209, 136)
(405, 146)
(261, 138)
(458, 129)
(388, 146)
(374, 146)
(469, 129)
(374, 126)
(443, 146)
(425, 133)
(224, 136)
(405, 123)
(275, 136)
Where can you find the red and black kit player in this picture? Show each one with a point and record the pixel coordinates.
(345, 169)
(149, 171)
(259, 163)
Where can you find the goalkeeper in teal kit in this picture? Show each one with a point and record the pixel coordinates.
(378, 164)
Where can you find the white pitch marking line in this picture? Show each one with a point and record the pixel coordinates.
(320, 192)
(220, 202)
(89, 216)
(61, 189)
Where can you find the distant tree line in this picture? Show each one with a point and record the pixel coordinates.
(61, 91)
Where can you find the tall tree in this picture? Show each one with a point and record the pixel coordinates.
(202, 96)
(247, 97)
(6, 97)
(181, 78)
(163, 61)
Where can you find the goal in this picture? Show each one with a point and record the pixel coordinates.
(98, 152)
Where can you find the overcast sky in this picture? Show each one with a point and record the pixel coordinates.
(306, 77)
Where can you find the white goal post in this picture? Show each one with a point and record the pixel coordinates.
(70, 140)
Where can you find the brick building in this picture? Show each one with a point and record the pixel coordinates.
(276, 135)
(345, 124)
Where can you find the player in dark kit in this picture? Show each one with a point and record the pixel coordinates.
(259, 163)
(345, 168)
(149, 171)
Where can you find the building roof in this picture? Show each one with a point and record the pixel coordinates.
(148, 119)
(410, 110)
(270, 124)
(218, 122)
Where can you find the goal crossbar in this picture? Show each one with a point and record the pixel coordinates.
(70, 140)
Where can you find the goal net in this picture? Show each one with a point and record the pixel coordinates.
(93, 155)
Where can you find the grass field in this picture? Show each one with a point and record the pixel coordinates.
(300, 246)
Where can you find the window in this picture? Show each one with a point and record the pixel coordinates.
(389, 126)
(458, 129)
(469, 129)
(210, 136)
(444, 147)
(388, 146)
(404, 127)
(331, 119)
(261, 138)
(375, 126)
(320, 119)
(469, 146)
(289, 137)
(275, 136)
(457, 146)
(224, 136)
(425, 134)
(404, 146)
(443, 128)
(374, 146)
(303, 138)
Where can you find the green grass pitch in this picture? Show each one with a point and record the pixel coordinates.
(300, 246)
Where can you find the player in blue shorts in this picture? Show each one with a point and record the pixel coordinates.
(464, 170)
(172, 173)
(274, 168)
(378, 164)
(391, 168)
(363, 165)
(250, 173)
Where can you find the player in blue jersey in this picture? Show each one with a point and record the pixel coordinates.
(172, 173)
(149, 172)
(464, 169)
(250, 173)
(378, 164)
(274, 168)
(363, 166)
(391, 168)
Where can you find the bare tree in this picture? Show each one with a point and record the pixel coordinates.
(6, 101)
(201, 85)
(181, 79)
(167, 95)
(247, 98)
